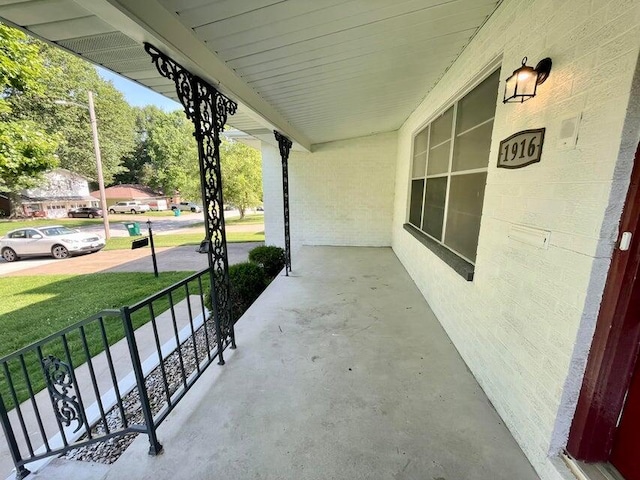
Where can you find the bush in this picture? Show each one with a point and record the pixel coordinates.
(247, 281)
(271, 258)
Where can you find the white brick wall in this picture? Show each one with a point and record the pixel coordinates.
(340, 194)
(272, 195)
(524, 325)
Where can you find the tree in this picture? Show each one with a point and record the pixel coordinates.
(166, 158)
(66, 77)
(166, 154)
(241, 175)
(26, 150)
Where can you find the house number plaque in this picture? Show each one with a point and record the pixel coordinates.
(521, 149)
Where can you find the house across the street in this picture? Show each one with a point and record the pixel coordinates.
(125, 192)
(60, 191)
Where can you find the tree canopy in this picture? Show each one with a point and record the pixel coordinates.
(138, 145)
(166, 158)
(26, 150)
(241, 175)
(66, 77)
(166, 154)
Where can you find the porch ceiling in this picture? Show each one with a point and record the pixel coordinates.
(318, 70)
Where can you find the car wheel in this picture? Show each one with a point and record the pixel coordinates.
(70, 215)
(59, 252)
(111, 210)
(9, 255)
(133, 211)
(91, 215)
(193, 210)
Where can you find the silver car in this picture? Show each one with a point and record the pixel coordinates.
(56, 240)
(129, 207)
(186, 207)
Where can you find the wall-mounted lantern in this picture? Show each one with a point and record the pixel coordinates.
(522, 85)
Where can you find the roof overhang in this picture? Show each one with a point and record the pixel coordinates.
(315, 71)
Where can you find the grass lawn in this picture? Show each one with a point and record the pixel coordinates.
(124, 243)
(34, 307)
(151, 213)
(253, 219)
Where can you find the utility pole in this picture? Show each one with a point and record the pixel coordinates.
(96, 148)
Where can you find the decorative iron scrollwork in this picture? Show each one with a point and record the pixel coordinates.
(285, 147)
(60, 383)
(208, 109)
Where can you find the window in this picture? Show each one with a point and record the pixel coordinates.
(55, 231)
(18, 234)
(449, 170)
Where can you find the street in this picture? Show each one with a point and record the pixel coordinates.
(182, 258)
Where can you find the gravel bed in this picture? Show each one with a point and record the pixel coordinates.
(109, 451)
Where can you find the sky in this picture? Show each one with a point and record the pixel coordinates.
(136, 94)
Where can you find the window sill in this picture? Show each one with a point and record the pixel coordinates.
(460, 266)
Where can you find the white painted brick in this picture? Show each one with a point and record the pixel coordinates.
(340, 194)
(524, 325)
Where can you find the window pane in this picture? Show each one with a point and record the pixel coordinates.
(434, 206)
(479, 104)
(441, 128)
(439, 159)
(421, 141)
(471, 149)
(463, 216)
(419, 162)
(415, 207)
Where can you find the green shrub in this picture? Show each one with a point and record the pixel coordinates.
(247, 281)
(271, 258)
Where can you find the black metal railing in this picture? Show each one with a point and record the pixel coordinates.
(81, 385)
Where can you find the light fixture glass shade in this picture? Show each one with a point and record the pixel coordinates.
(521, 86)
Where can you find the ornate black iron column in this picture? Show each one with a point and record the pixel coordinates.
(208, 109)
(285, 147)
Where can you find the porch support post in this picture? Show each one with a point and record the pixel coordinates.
(208, 109)
(285, 147)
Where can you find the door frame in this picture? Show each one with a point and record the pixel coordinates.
(616, 341)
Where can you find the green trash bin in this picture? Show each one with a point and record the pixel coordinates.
(134, 228)
(176, 212)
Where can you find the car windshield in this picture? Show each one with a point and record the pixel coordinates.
(55, 231)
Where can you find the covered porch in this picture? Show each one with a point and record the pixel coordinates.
(342, 371)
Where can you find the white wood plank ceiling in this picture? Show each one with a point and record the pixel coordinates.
(328, 69)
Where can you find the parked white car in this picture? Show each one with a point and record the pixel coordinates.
(186, 207)
(56, 240)
(129, 207)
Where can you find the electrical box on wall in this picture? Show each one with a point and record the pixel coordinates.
(569, 128)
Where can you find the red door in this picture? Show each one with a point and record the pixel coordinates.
(625, 455)
(606, 424)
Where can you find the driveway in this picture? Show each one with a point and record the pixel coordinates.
(169, 259)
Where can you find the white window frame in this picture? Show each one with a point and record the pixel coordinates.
(448, 174)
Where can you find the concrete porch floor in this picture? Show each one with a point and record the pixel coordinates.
(342, 372)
